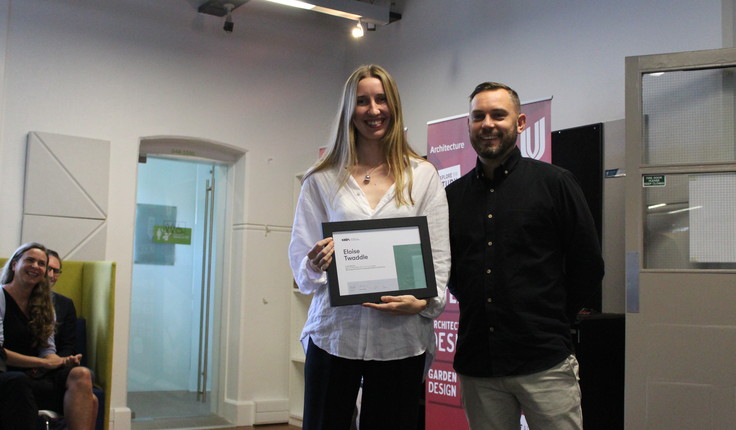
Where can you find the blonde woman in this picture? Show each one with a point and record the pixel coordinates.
(369, 172)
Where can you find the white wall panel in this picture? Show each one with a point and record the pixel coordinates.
(66, 194)
(78, 239)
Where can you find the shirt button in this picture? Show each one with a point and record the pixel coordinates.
(493, 190)
(490, 216)
(492, 329)
(490, 243)
(488, 271)
(505, 172)
(490, 300)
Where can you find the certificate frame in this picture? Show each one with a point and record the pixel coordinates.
(380, 257)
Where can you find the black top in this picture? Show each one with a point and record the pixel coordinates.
(65, 337)
(3, 358)
(17, 330)
(525, 260)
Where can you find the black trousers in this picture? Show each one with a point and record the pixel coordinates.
(390, 397)
(18, 409)
(50, 388)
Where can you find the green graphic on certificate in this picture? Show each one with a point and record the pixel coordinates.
(409, 266)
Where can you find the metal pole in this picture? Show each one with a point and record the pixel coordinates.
(201, 371)
(209, 283)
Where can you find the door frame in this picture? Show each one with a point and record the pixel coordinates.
(231, 335)
(677, 365)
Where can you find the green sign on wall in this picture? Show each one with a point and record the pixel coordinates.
(172, 235)
(653, 181)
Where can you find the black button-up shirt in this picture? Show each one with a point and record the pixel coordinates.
(525, 259)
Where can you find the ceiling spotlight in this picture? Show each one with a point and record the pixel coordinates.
(222, 8)
(229, 17)
(358, 30)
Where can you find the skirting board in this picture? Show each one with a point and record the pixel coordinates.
(248, 413)
(295, 421)
(120, 419)
(272, 411)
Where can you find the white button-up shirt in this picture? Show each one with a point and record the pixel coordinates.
(358, 332)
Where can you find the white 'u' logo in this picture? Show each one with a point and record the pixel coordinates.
(525, 139)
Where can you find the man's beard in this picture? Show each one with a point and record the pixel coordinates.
(506, 142)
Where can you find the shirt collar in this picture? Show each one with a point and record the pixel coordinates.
(507, 164)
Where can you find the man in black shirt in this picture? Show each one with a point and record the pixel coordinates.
(525, 260)
(65, 337)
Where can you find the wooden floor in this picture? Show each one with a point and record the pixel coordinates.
(258, 427)
(203, 425)
(269, 427)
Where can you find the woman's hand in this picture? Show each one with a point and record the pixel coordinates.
(73, 360)
(319, 257)
(399, 305)
(53, 361)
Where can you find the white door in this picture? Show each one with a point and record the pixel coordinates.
(681, 241)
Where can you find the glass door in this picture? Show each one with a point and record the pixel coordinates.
(177, 255)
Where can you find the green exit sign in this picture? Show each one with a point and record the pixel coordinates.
(172, 235)
(653, 181)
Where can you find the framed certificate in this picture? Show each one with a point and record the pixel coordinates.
(379, 257)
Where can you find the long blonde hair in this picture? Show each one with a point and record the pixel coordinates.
(40, 307)
(342, 152)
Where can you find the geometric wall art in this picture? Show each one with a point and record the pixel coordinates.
(66, 192)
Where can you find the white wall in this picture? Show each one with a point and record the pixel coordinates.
(572, 50)
(131, 68)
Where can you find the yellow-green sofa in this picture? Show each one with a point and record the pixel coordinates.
(91, 285)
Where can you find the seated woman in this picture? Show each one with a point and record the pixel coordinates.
(27, 332)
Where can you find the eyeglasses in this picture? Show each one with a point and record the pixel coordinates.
(54, 271)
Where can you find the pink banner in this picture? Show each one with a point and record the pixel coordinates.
(444, 409)
(449, 149)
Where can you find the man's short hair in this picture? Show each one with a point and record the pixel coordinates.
(54, 254)
(492, 86)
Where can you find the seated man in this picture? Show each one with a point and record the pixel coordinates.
(66, 314)
(65, 337)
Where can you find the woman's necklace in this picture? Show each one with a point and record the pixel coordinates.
(367, 178)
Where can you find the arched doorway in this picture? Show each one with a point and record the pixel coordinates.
(181, 220)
